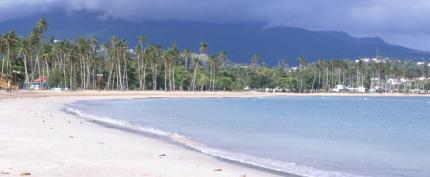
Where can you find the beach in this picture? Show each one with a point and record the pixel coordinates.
(37, 138)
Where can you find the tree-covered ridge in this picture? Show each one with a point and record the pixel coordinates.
(86, 64)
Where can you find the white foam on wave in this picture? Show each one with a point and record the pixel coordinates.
(276, 165)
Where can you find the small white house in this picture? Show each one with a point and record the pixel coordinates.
(361, 90)
(339, 88)
(364, 60)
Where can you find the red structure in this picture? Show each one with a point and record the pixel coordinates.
(40, 83)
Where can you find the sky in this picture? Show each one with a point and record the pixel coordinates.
(404, 22)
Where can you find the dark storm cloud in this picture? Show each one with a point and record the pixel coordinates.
(405, 22)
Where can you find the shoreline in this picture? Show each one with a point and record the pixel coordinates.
(188, 94)
(23, 151)
(171, 141)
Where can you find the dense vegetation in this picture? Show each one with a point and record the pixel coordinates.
(83, 64)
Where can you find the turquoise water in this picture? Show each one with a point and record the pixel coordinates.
(308, 136)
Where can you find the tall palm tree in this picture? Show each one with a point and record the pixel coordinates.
(195, 70)
(222, 58)
(254, 60)
(187, 56)
(141, 62)
(35, 44)
(203, 51)
(203, 47)
(10, 42)
(213, 65)
(23, 50)
(302, 67)
(154, 52)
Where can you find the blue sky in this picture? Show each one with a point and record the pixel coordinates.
(397, 21)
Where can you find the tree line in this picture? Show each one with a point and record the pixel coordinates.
(87, 64)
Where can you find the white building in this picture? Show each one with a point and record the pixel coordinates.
(364, 60)
(420, 63)
(361, 90)
(339, 88)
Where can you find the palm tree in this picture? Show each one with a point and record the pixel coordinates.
(222, 57)
(154, 52)
(203, 47)
(213, 65)
(302, 67)
(187, 56)
(254, 60)
(46, 57)
(165, 58)
(10, 42)
(195, 70)
(141, 63)
(23, 50)
(174, 54)
(284, 65)
(203, 51)
(35, 44)
(122, 52)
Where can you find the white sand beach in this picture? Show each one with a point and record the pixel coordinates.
(37, 138)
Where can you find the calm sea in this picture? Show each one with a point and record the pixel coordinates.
(308, 136)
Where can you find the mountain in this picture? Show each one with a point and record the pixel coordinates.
(240, 40)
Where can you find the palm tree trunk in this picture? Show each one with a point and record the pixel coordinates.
(26, 81)
(139, 72)
(144, 76)
(173, 77)
(71, 75)
(193, 81)
(2, 68)
(313, 81)
(165, 76)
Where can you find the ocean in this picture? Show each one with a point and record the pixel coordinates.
(306, 136)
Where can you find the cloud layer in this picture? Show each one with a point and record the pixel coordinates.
(400, 21)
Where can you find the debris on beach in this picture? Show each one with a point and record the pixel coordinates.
(71, 137)
(4, 173)
(25, 174)
(242, 175)
(218, 169)
(162, 155)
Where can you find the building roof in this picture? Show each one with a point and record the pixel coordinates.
(41, 79)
